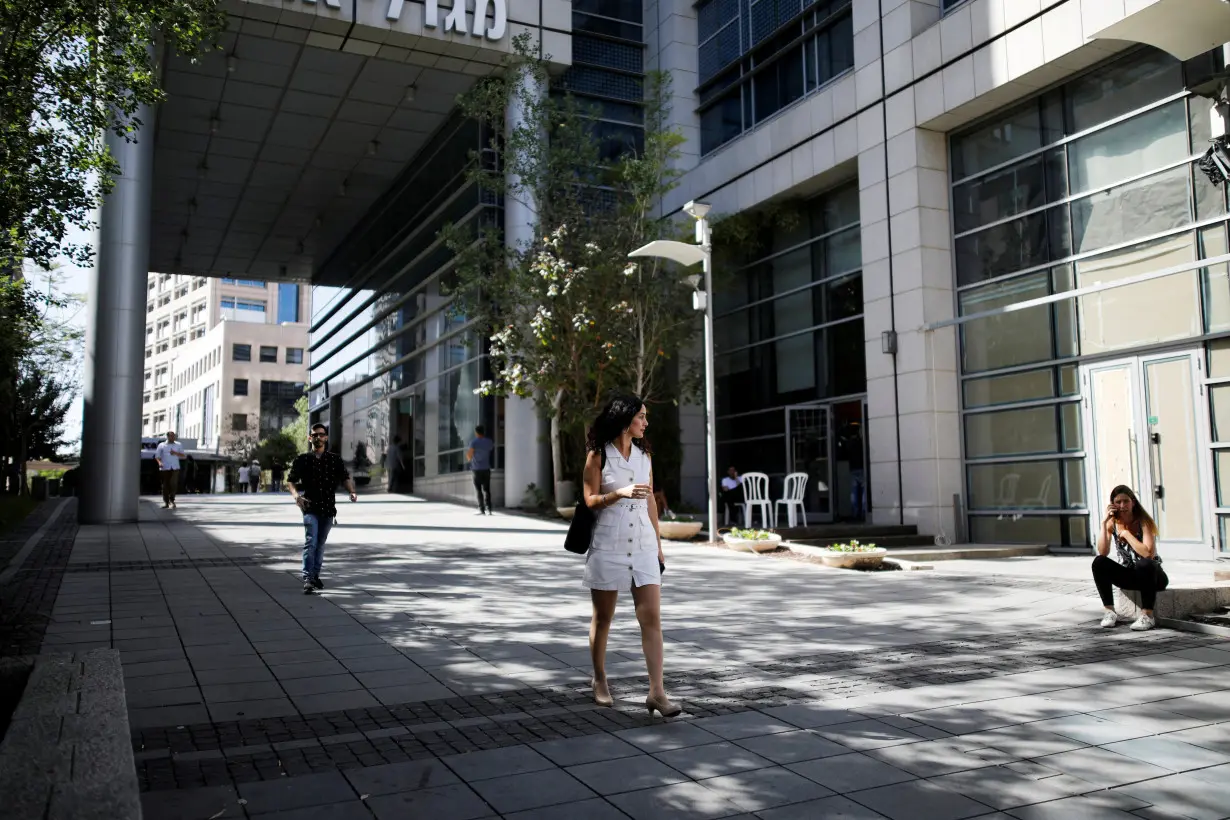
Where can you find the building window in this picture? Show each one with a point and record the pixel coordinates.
(245, 283)
(278, 405)
(1089, 182)
(239, 422)
(294, 355)
(758, 56)
(241, 387)
(243, 310)
(269, 354)
(288, 302)
(241, 353)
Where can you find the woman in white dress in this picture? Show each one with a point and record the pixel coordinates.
(626, 551)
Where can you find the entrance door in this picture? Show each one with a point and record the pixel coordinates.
(1147, 430)
(808, 450)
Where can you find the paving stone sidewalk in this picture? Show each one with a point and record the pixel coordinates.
(443, 673)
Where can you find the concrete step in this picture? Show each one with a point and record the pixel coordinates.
(963, 552)
(838, 533)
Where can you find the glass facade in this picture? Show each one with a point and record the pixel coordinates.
(1088, 184)
(397, 359)
(759, 56)
(608, 70)
(288, 302)
(789, 331)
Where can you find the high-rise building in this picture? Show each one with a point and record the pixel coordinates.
(225, 359)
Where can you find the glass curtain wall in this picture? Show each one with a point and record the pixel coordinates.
(397, 338)
(759, 56)
(1091, 182)
(789, 330)
(608, 70)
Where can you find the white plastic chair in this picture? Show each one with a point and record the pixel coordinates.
(792, 496)
(756, 495)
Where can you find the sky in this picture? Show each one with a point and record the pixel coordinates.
(75, 280)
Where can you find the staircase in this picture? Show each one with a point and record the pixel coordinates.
(887, 536)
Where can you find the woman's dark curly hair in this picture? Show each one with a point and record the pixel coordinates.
(616, 417)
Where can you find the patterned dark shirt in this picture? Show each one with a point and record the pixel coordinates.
(317, 478)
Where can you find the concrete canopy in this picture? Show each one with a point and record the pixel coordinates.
(269, 151)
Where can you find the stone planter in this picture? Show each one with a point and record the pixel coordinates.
(871, 559)
(566, 513)
(679, 530)
(749, 545)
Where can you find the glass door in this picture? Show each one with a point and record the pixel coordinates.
(1148, 433)
(808, 450)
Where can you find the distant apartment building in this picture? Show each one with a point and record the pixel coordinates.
(224, 358)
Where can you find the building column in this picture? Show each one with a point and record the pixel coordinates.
(115, 336)
(527, 445)
(907, 284)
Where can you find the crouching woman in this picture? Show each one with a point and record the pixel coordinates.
(1127, 558)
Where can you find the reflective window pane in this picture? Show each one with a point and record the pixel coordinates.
(1033, 125)
(1219, 359)
(1007, 529)
(1008, 339)
(1015, 485)
(1137, 209)
(1129, 148)
(1026, 431)
(1219, 402)
(1132, 83)
(1221, 466)
(1011, 246)
(1214, 280)
(1026, 386)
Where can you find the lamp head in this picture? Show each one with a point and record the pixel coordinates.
(697, 210)
(693, 280)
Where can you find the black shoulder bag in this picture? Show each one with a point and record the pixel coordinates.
(581, 530)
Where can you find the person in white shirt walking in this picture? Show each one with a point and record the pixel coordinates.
(244, 472)
(168, 455)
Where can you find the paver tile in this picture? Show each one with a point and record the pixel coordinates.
(741, 725)
(812, 715)
(492, 763)
(334, 701)
(296, 792)
(1090, 729)
(867, 734)
(350, 810)
(1070, 808)
(667, 736)
(626, 774)
(220, 802)
(1215, 737)
(1103, 767)
(826, 808)
(251, 690)
(791, 747)
(594, 809)
(411, 693)
(1173, 755)
(682, 801)
(765, 788)
(323, 684)
(577, 751)
(251, 709)
(713, 760)
(454, 802)
(406, 776)
(531, 790)
(1200, 799)
(850, 772)
(919, 800)
(1024, 741)
(1003, 788)
(936, 757)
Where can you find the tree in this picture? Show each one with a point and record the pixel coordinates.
(279, 448)
(73, 70)
(38, 380)
(242, 444)
(570, 320)
(297, 431)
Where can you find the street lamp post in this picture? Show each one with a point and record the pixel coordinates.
(686, 254)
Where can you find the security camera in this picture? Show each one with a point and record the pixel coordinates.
(696, 210)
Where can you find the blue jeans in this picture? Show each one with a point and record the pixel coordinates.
(315, 533)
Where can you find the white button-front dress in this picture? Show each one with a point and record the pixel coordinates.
(624, 550)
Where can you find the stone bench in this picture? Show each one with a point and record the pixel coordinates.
(1177, 601)
(67, 753)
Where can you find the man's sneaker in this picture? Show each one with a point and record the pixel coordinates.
(318, 584)
(1144, 622)
(1109, 620)
(307, 587)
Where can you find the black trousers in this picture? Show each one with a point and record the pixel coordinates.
(482, 485)
(1147, 576)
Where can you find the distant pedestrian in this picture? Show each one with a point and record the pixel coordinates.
(1133, 563)
(168, 455)
(626, 550)
(479, 456)
(313, 484)
(244, 470)
(275, 476)
(254, 476)
(393, 464)
(731, 495)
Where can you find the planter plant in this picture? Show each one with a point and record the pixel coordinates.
(853, 555)
(752, 540)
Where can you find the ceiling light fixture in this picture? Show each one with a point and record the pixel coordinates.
(202, 169)
(318, 223)
(410, 92)
(341, 189)
(373, 147)
(214, 122)
(192, 205)
(231, 62)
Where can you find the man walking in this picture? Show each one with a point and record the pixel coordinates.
(479, 456)
(275, 476)
(243, 477)
(312, 482)
(168, 455)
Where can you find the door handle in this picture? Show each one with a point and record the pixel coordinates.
(1159, 492)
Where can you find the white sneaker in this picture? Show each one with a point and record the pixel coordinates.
(1109, 620)
(1144, 622)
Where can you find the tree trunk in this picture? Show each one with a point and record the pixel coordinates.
(557, 451)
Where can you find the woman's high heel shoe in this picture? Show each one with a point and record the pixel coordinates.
(601, 698)
(663, 705)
